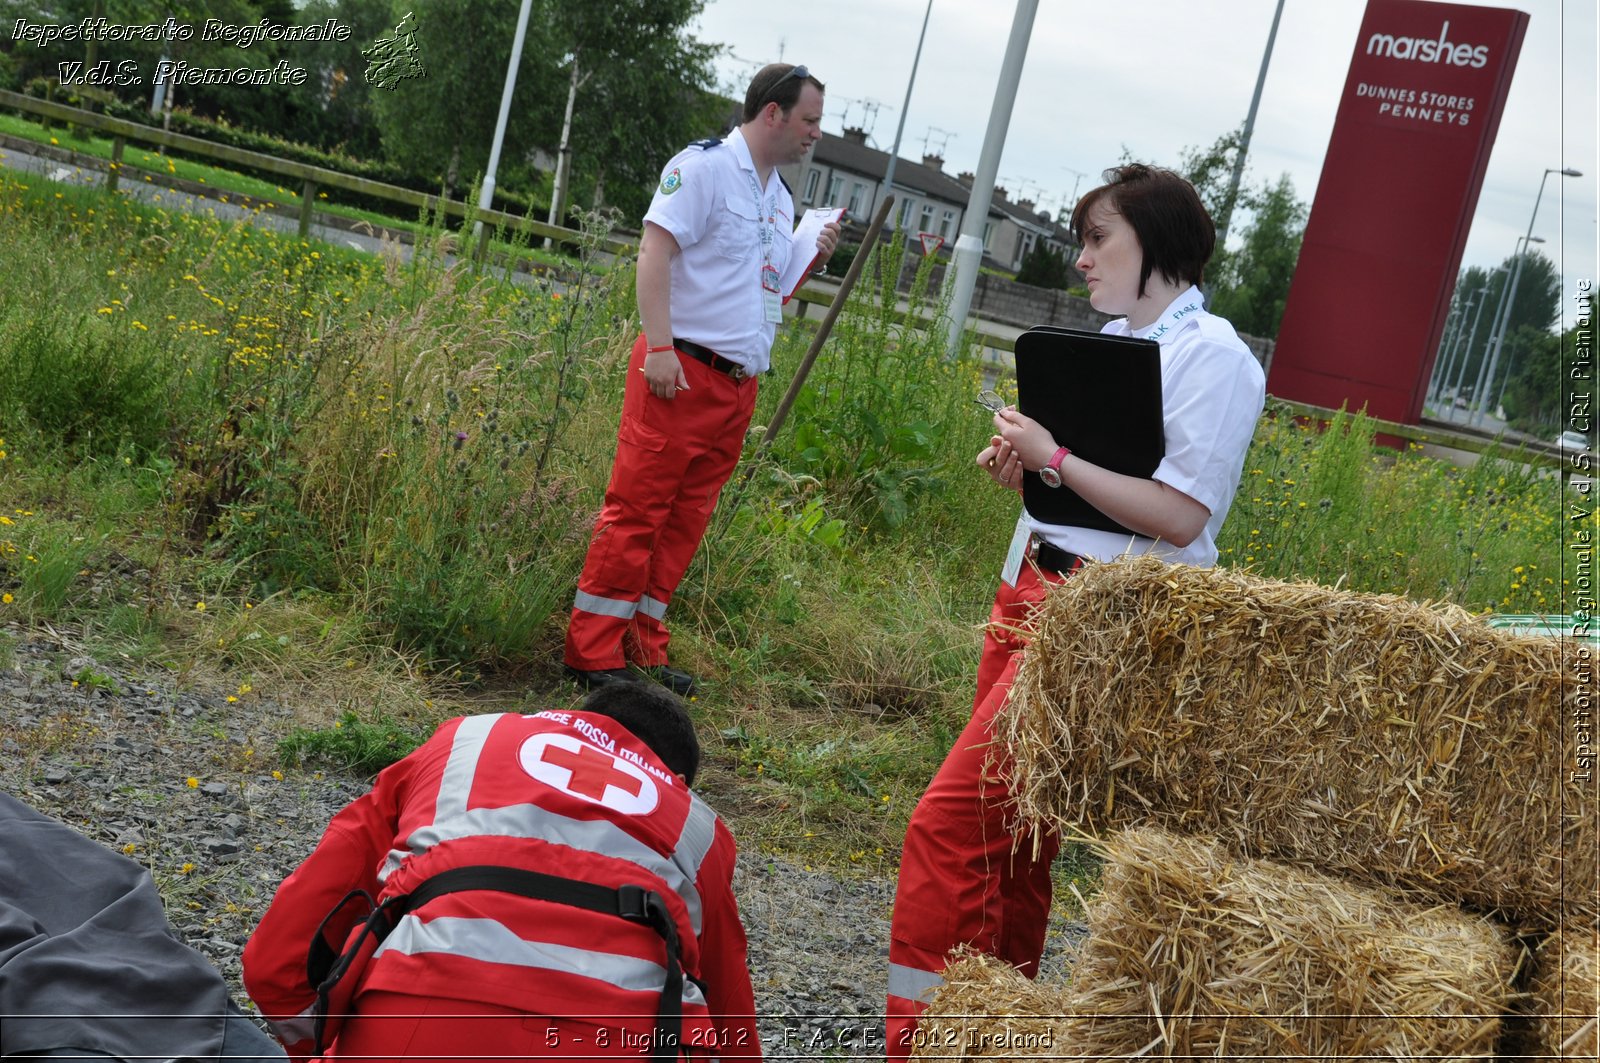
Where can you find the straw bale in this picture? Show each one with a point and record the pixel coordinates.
(1192, 953)
(1566, 996)
(987, 1009)
(1401, 744)
(1217, 956)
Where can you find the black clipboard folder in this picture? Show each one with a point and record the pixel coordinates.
(1100, 396)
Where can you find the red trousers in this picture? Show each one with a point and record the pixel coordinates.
(673, 457)
(965, 877)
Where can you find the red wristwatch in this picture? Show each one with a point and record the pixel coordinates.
(1051, 473)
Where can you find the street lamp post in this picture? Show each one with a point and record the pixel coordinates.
(894, 152)
(1450, 345)
(1249, 128)
(1471, 308)
(1472, 338)
(1486, 366)
(963, 272)
(486, 190)
(1516, 275)
(1505, 324)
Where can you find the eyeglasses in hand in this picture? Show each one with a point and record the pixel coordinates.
(990, 400)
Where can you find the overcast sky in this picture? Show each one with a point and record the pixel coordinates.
(1156, 76)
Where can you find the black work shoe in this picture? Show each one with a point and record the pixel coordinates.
(680, 683)
(601, 677)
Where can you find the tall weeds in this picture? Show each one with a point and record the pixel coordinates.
(428, 441)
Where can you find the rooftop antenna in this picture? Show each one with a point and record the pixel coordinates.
(849, 102)
(928, 138)
(1079, 175)
(870, 107)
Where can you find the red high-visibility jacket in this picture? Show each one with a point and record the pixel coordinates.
(563, 793)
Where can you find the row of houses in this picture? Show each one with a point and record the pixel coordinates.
(843, 171)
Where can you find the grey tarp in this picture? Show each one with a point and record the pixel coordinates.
(87, 961)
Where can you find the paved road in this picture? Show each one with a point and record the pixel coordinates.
(13, 158)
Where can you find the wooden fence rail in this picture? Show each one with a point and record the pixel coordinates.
(311, 178)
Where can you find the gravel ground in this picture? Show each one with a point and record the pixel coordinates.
(114, 755)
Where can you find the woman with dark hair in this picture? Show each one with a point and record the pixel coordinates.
(964, 878)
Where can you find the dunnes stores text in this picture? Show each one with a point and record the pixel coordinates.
(1418, 105)
(1428, 50)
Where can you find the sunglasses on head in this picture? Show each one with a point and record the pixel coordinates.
(796, 72)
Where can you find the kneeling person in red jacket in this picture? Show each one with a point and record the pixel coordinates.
(495, 851)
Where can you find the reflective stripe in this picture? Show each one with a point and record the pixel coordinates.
(689, 852)
(462, 767)
(301, 1027)
(912, 983)
(652, 608)
(490, 942)
(592, 836)
(593, 603)
(391, 864)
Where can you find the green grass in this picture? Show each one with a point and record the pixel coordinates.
(366, 488)
(351, 743)
(1331, 507)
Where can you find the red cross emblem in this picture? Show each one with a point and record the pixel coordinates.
(573, 766)
(592, 771)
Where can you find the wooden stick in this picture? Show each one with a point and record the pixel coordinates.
(849, 282)
(731, 506)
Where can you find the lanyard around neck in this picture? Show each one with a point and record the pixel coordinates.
(766, 222)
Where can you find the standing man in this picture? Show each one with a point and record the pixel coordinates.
(548, 886)
(716, 239)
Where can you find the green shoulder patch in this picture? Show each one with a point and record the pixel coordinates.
(672, 182)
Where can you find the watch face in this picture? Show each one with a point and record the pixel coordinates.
(1050, 476)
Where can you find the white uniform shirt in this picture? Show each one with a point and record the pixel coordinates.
(707, 200)
(1212, 394)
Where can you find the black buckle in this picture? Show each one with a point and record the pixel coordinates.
(633, 902)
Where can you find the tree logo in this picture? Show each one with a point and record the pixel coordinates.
(672, 182)
(391, 60)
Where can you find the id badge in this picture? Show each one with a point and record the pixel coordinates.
(771, 299)
(1016, 552)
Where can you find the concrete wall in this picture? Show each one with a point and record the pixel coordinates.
(1023, 305)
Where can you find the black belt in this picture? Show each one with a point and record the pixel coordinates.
(707, 356)
(1054, 559)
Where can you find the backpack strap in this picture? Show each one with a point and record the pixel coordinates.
(633, 903)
